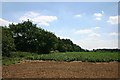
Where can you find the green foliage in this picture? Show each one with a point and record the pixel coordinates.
(24, 34)
(16, 57)
(29, 38)
(8, 61)
(81, 56)
(7, 42)
(66, 45)
(106, 50)
(64, 56)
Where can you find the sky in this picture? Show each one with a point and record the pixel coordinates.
(90, 25)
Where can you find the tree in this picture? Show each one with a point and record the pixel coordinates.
(24, 35)
(47, 41)
(66, 45)
(7, 42)
(30, 38)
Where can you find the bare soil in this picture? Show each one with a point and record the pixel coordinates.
(54, 69)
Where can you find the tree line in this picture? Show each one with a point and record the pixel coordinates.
(27, 37)
(108, 50)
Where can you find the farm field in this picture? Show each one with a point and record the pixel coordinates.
(66, 56)
(56, 69)
(61, 65)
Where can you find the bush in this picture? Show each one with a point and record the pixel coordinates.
(7, 42)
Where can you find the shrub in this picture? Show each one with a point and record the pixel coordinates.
(7, 42)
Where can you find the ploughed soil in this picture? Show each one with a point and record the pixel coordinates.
(55, 69)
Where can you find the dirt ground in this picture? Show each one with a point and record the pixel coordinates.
(53, 69)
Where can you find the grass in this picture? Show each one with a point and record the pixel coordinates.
(9, 61)
(66, 56)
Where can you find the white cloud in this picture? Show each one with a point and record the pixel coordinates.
(98, 18)
(113, 34)
(30, 13)
(93, 40)
(37, 18)
(99, 15)
(97, 27)
(97, 42)
(78, 15)
(94, 43)
(4, 22)
(94, 35)
(113, 19)
(90, 33)
(102, 12)
(83, 31)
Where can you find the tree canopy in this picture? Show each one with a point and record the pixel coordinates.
(26, 36)
(7, 42)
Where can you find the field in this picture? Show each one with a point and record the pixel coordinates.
(67, 56)
(61, 65)
(57, 69)
(81, 56)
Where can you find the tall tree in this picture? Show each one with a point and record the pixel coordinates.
(30, 38)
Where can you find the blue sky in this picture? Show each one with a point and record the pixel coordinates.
(88, 24)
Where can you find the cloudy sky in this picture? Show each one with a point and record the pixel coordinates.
(88, 24)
